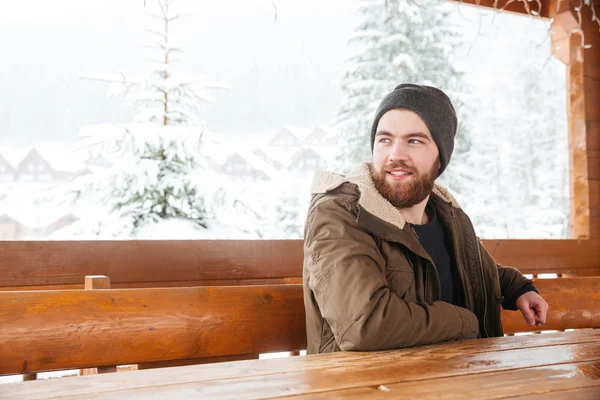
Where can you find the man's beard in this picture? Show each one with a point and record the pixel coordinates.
(405, 194)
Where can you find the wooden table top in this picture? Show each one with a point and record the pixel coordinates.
(563, 365)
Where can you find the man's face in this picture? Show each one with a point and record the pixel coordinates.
(405, 158)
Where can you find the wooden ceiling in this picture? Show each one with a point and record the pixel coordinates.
(548, 7)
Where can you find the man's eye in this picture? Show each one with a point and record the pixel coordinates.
(385, 140)
(414, 141)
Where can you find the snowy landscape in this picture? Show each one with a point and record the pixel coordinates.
(200, 121)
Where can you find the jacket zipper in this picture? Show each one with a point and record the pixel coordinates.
(428, 298)
(425, 288)
(479, 260)
(484, 284)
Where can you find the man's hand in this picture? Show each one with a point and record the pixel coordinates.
(533, 308)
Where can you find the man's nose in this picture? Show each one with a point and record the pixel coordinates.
(399, 153)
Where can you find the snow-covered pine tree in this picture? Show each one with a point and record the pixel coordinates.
(523, 139)
(156, 165)
(407, 42)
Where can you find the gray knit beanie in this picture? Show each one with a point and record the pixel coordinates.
(433, 106)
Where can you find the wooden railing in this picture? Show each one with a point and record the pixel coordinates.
(59, 329)
(184, 302)
(131, 264)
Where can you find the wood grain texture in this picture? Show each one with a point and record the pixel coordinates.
(95, 282)
(196, 361)
(130, 264)
(66, 263)
(574, 303)
(493, 385)
(49, 330)
(514, 359)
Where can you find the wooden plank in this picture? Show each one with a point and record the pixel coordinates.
(573, 303)
(357, 370)
(585, 393)
(575, 257)
(522, 382)
(63, 265)
(578, 169)
(133, 285)
(98, 282)
(196, 361)
(49, 330)
(93, 282)
(40, 263)
(564, 345)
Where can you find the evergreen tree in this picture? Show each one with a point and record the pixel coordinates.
(155, 167)
(409, 42)
(523, 149)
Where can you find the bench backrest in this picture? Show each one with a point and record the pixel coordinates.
(131, 264)
(49, 330)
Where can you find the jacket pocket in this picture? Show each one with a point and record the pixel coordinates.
(401, 281)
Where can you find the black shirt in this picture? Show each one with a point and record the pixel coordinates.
(433, 239)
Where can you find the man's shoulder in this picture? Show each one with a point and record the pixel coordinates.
(331, 186)
(345, 195)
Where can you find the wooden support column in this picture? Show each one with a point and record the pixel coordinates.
(591, 76)
(94, 282)
(583, 88)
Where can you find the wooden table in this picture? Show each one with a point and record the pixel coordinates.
(562, 365)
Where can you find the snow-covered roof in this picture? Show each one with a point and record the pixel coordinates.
(257, 163)
(61, 157)
(300, 133)
(327, 153)
(329, 131)
(58, 155)
(35, 216)
(14, 154)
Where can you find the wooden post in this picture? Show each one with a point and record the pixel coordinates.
(30, 377)
(583, 88)
(97, 282)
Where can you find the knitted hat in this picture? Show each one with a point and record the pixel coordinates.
(434, 108)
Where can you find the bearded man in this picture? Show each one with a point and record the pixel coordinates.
(390, 259)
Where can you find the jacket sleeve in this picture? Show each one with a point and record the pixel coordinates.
(347, 277)
(512, 282)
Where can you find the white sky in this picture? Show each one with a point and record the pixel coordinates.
(280, 72)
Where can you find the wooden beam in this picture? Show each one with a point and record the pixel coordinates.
(574, 303)
(47, 265)
(50, 330)
(583, 85)
(127, 262)
(98, 282)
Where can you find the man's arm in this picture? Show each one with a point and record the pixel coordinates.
(348, 281)
(520, 294)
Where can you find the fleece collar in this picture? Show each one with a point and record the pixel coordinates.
(370, 198)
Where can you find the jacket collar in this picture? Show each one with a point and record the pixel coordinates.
(370, 199)
(375, 213)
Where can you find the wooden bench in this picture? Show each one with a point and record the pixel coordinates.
(52, 330)
(131, 264)
(66, 329)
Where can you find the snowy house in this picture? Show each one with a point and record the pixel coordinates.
(10, 228)
(7, 171)
(289, 137)
(65, 220)
(48, 164)
(321, 136)
(25, 221)
(268, 158)
(309, 160)
(238, 167)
